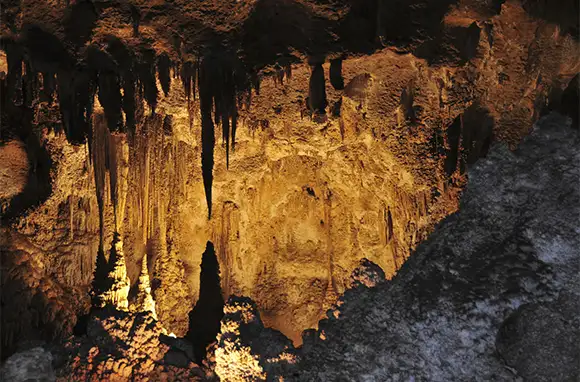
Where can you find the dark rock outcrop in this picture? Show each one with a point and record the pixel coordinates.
(506, 263)
(367, 274)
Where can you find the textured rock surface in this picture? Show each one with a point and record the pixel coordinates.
(123, 346)
(541, 344)
(246, 350)
(31, 365)
(508, 259)
(368, 274)
(415, 92)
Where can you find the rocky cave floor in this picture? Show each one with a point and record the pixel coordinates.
(296, 190)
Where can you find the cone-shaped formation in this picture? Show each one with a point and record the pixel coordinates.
(115, 288)
(204, 319)
(144, 301)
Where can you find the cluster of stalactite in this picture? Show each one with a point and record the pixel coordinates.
(123, 80)
(221, 82)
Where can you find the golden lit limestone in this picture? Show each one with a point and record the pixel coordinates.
(144, 301)
(235, 361)
(248, 351)
(117, 283)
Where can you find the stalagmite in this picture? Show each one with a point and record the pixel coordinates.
(144, 301)
(116, 285)
(208, 311)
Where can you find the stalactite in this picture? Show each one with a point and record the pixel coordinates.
(76, 91)
(452, 151)
(390, 232)
(288, 71)
(99, 153)
(336, 79)
(207, 130)
(316, 90)
(110, 99)
(30, 85)
(128, 78)
(188, 73)
(147, 81)
(163, 68)
(48, 86)
(14, 58)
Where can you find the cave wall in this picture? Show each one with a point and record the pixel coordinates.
(307, 191)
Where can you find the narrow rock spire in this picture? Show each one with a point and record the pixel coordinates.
(145, 302)
(116, 286)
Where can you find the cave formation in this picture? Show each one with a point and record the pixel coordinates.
(161, 186)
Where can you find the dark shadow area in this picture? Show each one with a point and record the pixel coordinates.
(81, 327)
(79, 22)
(19, 91)
(335, 74)
(29, 313)
(317, 90)
(274, 28)
(407, 101)
(451, 46)
(469, 138)
(565, 13)
(164, 68)
(571, 101)
(45, 50)
(125, 60)
(404, 23)
(363, 25)
(204, 319)
(147, 84)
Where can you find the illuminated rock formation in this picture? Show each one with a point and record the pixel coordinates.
(123, 346)
(246, 351)
(144, 301)
(114, 290)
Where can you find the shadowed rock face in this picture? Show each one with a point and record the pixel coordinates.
(111, 120)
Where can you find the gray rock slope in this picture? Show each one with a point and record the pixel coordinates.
(492, 295)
